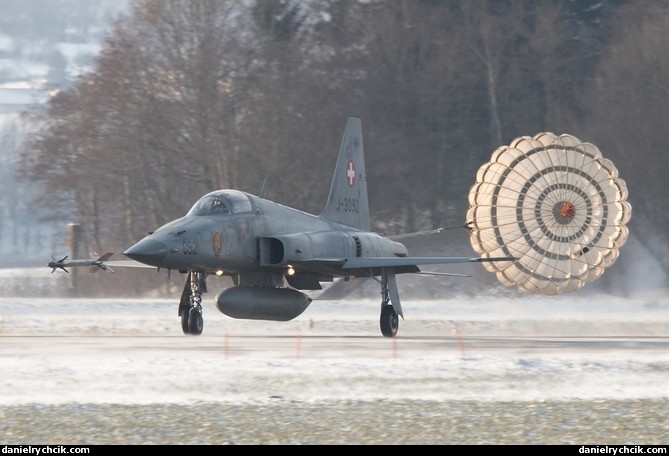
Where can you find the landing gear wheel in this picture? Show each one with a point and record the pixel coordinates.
(195, 321)
(184, 321)
(390, 322)
(190, 305)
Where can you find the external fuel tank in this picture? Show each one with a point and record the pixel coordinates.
(262, 303)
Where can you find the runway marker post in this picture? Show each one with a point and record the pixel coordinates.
(298, 347)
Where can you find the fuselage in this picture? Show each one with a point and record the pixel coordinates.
(233, 232)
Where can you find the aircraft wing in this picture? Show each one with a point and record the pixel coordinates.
(381, 262)
(362, 267)
(128, 264)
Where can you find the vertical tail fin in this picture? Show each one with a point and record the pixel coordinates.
(348, 203)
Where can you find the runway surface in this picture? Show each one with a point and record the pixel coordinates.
(460, 371)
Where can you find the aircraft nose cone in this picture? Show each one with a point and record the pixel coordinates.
(148, 251)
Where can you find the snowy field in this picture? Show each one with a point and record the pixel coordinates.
(133, 351)
(577, 367)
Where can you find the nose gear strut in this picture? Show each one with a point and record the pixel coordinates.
(190, 305)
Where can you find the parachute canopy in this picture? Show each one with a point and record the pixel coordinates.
(556, 205)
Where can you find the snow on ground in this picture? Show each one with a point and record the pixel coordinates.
(578, 347)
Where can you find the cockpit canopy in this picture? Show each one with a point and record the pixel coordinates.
(222, 202)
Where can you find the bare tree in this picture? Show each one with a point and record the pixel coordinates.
(628, 105)
(189, 96)
(150, 129)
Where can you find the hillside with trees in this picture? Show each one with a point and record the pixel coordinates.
(189, 96)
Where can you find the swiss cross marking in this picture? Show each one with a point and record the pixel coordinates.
(350, 173)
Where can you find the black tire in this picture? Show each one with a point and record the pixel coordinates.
(184, 321)
(195, 322)
(390, 322)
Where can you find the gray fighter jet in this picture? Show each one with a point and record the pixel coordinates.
(262, 245)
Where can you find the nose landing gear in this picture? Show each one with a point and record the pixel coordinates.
(190, 305)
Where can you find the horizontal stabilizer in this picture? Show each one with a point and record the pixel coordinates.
(445, 274)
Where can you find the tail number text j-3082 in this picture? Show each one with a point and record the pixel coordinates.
(348, 205)
(189, 247)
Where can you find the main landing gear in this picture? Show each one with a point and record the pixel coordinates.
(390, 321)
(190, 305)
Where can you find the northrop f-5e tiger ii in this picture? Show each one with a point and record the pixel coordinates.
(273, 252)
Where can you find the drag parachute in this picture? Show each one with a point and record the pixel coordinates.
(556, 205)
